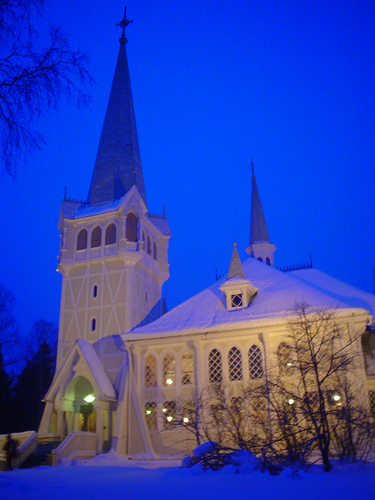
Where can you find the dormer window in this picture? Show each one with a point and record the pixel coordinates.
(236, 300)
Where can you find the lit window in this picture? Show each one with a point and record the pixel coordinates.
(131, 227)
(151, 415)
(236, 300)
(150, 371)
(215, 367)
(235, 364)
(168, 370)
(255, 362)
(110, 234)
(82, 240)
(285, 360)
(169, 414)
(96, 237)
(187, 369)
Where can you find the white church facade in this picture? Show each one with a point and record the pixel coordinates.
(124, 365)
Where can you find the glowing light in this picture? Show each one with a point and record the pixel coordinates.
(291, 401)
(164, 410)
(169, 381)
(148, 412)
(336, 397)
(169, 418)
(90, 398)
(186, 420)
(289, 364)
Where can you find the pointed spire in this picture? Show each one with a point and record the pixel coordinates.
(258, 226)
(118, 163)
(235, 267)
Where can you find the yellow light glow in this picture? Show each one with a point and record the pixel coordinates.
(164, 410)
(186, 420)
(169, 418)
(148, 412)
(291, 401)
(289, 364)
(90, 398)
(336, 397)
(169, 381)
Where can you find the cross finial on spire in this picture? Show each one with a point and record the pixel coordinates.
(123, 24)
(252, 168)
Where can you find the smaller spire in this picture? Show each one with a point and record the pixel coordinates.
(123, 24)
(235, 267)
(252, 169)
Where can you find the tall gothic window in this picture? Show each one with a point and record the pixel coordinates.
(169, 370)
(187, 369)
(255, 362)
(131, 227)
(82, 240)
(150, 371)
(155, 252)
(285, 359)
(235, 364)
(215, 369)
(96, 237)
(110, 234)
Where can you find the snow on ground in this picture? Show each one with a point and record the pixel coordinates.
(79, 482)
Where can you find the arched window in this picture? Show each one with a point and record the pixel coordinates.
(235, 364)
(155, 252)
(150, 371)
(187, 368)
(82, 240)
(215, 367)
(255, 362)
(285, 359)
(131, 227)
(151, 417)
(96, 237)
(169, 371)
(110, 234)
(149, 245)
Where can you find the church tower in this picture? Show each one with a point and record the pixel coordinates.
(113, 253)
(260, 246)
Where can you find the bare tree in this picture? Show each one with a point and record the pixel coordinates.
(33, 77)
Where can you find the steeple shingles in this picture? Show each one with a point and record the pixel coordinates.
(258, 227)
(235, 266)
(118, 163)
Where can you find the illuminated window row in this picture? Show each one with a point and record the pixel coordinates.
(169, 414)
(168, 375)
(235, 364)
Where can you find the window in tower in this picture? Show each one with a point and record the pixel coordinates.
(131, 227)
(155, 252)
(82, 240)
(110, 234)
(149, 245)
(94, 291)
(93, 324)
(96, 237)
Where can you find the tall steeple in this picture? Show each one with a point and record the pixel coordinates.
(118, 163)
(260, 246)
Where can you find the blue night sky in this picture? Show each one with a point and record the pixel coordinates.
(290, 83)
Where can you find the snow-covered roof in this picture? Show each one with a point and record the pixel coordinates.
(277, 294)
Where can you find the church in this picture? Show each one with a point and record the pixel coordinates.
(124, 364)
